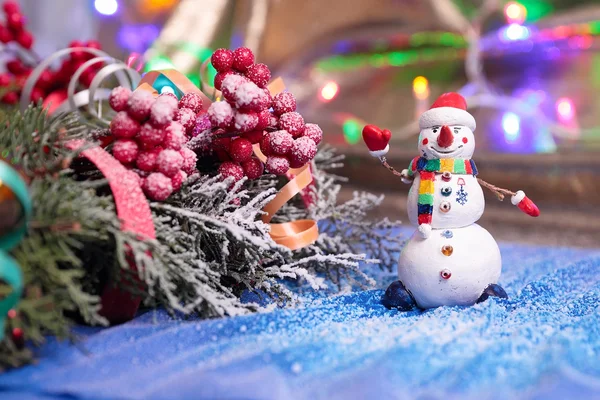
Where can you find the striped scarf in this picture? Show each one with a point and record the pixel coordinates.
(427, 170)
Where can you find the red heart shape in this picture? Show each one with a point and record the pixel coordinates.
(375, 138)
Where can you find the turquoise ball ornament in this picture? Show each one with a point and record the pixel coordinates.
(15, 212)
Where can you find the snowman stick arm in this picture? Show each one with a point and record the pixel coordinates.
(498, 191)
(390, 168)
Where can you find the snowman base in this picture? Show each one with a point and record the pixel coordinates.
(453, 267)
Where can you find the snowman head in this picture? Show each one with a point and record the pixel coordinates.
(447, 129)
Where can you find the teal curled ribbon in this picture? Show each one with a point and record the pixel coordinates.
(10, 272)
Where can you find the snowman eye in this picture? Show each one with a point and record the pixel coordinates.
(445, 206)
(446, 191)
(445, 274)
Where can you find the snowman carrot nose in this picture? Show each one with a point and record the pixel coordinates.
(445, 138)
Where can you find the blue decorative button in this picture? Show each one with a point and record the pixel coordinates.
(447, 234)
(446, 191)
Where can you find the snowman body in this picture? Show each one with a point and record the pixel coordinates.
(459, 259)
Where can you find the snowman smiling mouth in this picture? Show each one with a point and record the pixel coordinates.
(445, 152)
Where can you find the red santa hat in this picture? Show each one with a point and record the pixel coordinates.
(448, 109)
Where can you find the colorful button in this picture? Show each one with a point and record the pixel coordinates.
(446, 191)
(445, 274)
(446, 176)
(447, 250)
(445, 206)
(447, 234)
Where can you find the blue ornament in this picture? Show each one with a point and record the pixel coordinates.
(446, 191)
(447, 234)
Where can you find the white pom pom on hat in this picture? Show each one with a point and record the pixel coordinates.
(448, 109)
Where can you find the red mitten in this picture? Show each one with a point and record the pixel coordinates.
(525, 204)
(377, 140)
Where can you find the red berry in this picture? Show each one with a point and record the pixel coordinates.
(169, 98)
(294, 164)
(265, 146)
(242, 59)
(259, 74)
(93, 44)
(4, 80)
(253, 136)
(139, 104)
(157, 186)
(245, 121)
(266, 100)
(118, 98)
(230, 84)
(231, 170)
(280, 142)
(187, 118)
(46, 80)
(220, 114)
(189, 160)
(87, 77)
(16, 67)
(10, 7)
(169, 162)
(314, 132)
(15, 22)
(25, 39)
(293, 123)
(150, 136)
(201, 124)
(6, 35)
(162, 113)
(220, 77)
(123, 126)
(249, 97)
(278, 165)
(221, 143)
(284, 102)
(10, 98)
(125, 150)
(175, 136)
(146, 160)
(178, 179)
(240, 150)
(37, 94)
(222, 155)
(253, 168)
(78, 55)
(193, 101)
(263, 119)
(222, 60)
(303, 150)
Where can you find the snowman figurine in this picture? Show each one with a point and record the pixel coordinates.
(449, 260)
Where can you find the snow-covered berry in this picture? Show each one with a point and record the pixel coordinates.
(169, 162)
(157, 186)
(284, 102)
(222, 60)
(139, 105)
(174, 136)
(253, 168)
(259, 74)
(189, 160)
(118, 98)
(248, 96)
(193, 101)
(265, 145)
(245, 121)
(277, 165)
(220, 114)
(242, 59)
(292, 122)
(314, 132)
(220, 77)
(231, 169)
(303, 150)
(240, 150)
(178, 179)
(264, 117)
(266, 100)
(253, 136)
(146, 160)
(125, 150)
(162, 113)
(169, 98)
(150, 136)
(280, 142)
(187, 118)
(230, 84)
(123, 126)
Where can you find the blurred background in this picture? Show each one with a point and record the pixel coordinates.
(530, 71)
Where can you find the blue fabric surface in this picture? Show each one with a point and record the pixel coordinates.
(541, 343)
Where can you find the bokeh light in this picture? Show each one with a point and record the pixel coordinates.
(515, 12)
(514, 32)
(421, 87)
(106, 7)
(511, 124)
(329, 91)
(352, 129)
(565, 109)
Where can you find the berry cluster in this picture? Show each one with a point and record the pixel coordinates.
(151, 136)
(14, 32)
(250, 115)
